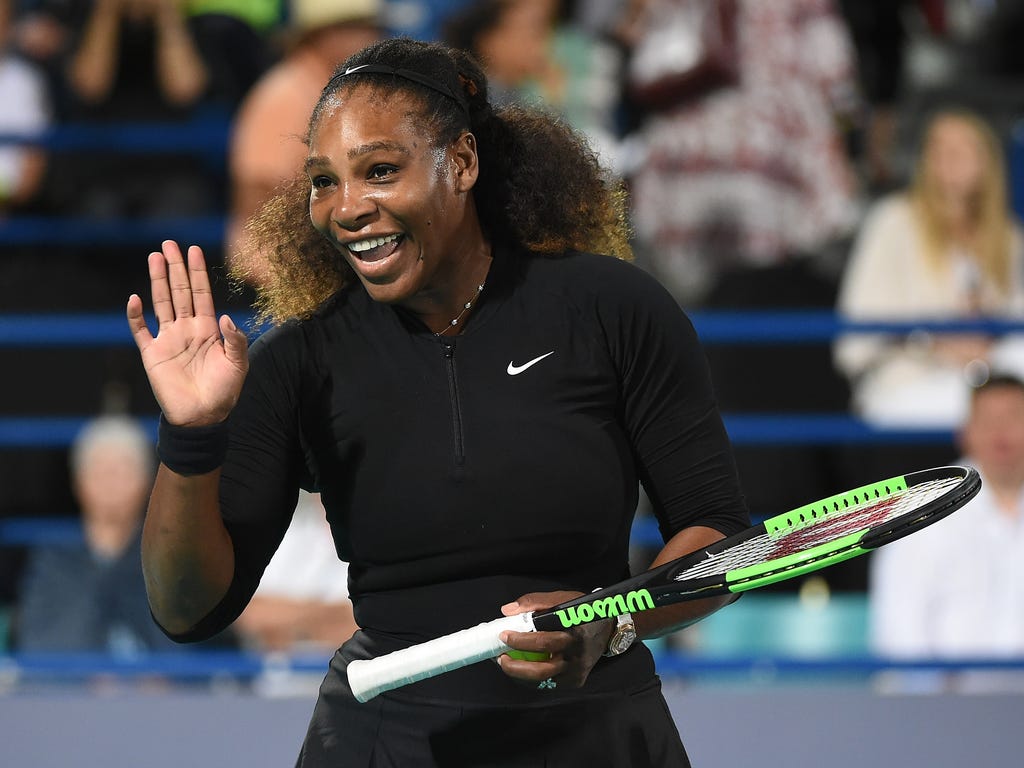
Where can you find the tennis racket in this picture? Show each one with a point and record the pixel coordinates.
(803, 540)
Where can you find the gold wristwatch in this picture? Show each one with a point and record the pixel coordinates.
(623, 636)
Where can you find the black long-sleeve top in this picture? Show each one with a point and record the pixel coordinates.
(460, 473)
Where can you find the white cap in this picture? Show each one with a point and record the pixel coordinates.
(313, 14)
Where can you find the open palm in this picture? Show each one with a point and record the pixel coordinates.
(196, 364)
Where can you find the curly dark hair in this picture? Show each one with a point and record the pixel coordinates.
(540, 185)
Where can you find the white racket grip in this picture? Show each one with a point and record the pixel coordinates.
(370, 677)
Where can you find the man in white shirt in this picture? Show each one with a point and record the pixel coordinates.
(956, 589)
(302, 601)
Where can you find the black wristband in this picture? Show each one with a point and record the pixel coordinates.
(191, 450)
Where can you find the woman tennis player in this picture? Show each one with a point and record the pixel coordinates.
(474, 391)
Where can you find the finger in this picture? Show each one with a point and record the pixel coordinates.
(511, 609)
(137, 323)
(177, 275)
(538, 642)
(199, 279)
(235, 343)
(536, 601)
(160, 289)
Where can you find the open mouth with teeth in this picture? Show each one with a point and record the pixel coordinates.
(374, 248)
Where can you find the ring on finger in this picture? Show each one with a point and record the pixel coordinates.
(547, 685)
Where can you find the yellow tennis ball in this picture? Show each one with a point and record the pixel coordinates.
(528, 655)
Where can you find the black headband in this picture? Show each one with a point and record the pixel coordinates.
(383, 69)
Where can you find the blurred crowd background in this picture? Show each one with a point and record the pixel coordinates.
(858, 156)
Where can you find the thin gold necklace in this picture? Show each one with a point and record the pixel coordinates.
(454, 323)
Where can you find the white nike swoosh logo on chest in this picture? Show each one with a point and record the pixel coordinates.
(515, 370)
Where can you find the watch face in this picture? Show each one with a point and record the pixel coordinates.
(621, 641)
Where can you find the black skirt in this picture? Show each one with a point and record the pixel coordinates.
(626, 729)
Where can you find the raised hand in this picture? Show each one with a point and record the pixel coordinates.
(196, 364)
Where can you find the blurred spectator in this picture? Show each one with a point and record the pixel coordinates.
(956, 589)
(879, 34)
(512, 40)
(268, 138)
(998, 46)
(120, 35)
(43, 34)
(754, 172)
(234, 37)
(742, 192)
(538, 52)
(902, 48)
(135, 61)
(945, 248)
(302, 601)
(91, 596)
(24, 90)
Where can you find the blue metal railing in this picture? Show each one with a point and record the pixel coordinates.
(207, 131)
(713, 327)
(193, 665)
(743, 429)
(40, 531)
(207, 231)
(61, 531)
(48, 431)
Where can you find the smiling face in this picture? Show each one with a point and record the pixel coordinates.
(397, 206)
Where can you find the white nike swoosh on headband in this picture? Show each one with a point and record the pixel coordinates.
(515, 370)
(350, 70)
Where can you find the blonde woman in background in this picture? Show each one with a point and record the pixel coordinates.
(945, 248)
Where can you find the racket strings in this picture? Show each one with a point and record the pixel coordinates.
(868, 514)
